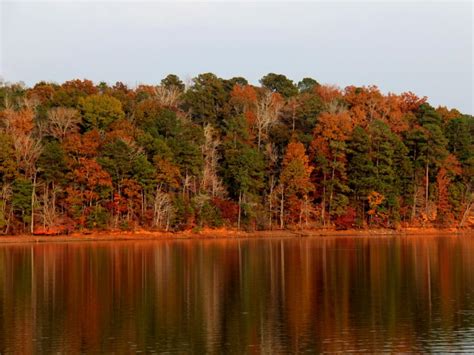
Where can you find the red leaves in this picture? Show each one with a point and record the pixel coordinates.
(85, 145)
(347, 220)
(229, 209)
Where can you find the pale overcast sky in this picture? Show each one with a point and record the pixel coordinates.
(424, 47)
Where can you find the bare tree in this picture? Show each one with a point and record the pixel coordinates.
(62, 121)
(162, 209)
(27, 151)
(272, 156)
(269, 106)
(467, 209)
(49, 213)
(169, 97)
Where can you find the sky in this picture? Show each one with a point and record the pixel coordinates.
(424, 47)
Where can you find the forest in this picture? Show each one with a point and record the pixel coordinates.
(214, 152)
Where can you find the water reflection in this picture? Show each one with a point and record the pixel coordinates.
(272, 295)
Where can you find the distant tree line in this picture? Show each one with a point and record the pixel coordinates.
(222, 152)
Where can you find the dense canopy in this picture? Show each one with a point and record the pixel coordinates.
(222, 152)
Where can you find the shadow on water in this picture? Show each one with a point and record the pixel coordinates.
(249, 295)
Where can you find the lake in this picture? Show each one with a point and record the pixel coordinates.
(326, 294)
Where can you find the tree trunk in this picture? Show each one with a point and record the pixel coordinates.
(415, 188)
(240, 209)
(270, 196)
(33, 193)
(259, 137)
(300, 217)
(466, 213)
(323, 202)
(331, 194)
(282, 207)
(45, 201)
(143, 203)
(426, 188)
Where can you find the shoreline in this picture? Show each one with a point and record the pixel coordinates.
(223, 233)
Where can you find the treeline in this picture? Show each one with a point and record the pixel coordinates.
(221, 152)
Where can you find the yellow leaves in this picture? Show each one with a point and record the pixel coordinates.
(131, 189)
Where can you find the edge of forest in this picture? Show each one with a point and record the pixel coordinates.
(228, 233)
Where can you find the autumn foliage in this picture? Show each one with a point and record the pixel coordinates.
(224, 152)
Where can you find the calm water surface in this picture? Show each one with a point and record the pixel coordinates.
(212, 296)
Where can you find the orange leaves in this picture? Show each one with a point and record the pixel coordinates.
(86, 87)
(41, 93)
(295, 181)
(250, 118)
(375, 199)
(83, 145)
(367, 104)
(334, 126)
(167, 173)
(277, 100)
(331, 127)
(90, 174)
(19, 125)
(411, 102)
(296, 151)
(447, 114)
(451, 167)
(131, 189)
(18, 122)
(87, 177)
(122, 129)
(243, 96)
(148, 90)
(328, 93)
(296, 169)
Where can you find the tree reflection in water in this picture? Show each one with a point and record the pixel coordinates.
(264, 295)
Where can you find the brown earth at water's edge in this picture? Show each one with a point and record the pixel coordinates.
(207, 233)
